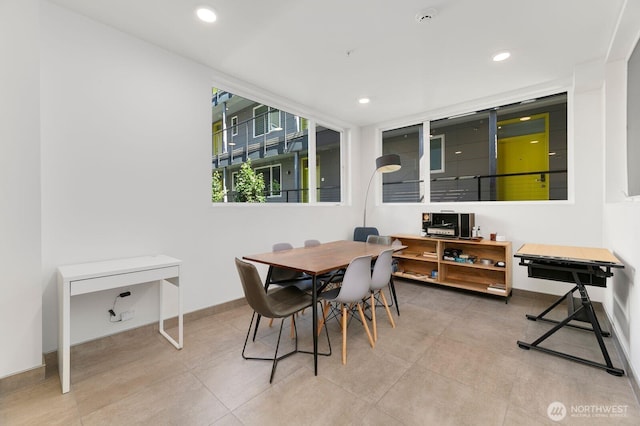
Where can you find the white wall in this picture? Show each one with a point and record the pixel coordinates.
(126, 151)
(598, 213)
(20, 289)
(621, 222)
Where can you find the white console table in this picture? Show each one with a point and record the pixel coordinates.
(97, 276)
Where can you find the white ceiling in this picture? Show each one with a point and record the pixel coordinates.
(298, 49)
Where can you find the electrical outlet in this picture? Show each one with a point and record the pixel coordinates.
(127, 315)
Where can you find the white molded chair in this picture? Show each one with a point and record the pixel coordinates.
(379, 280)
(386, 240)
(355, 287)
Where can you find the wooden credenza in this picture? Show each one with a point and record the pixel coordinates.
(476, 268)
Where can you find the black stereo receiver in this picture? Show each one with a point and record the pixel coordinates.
(451, 225)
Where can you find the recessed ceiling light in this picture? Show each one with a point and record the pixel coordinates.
(534, 142)
(552, 153)
(458, 152)
(206, 14)
(525, 118)
(501, 56)
(426, 15)
(364, 100)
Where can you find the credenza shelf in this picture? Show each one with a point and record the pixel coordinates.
(422, 261)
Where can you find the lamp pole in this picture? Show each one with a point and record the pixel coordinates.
(364, 217)
(385, 164)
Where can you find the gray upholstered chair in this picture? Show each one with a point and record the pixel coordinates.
(361, 233)
(281, 304)
(311, 243)
(328, 277)
(287, 277)
(379, 280)
(355, 287)
(379, 239)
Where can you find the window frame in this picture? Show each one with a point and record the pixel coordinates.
(270, 189)
(265, 116)
(234, 125)
(442, 153)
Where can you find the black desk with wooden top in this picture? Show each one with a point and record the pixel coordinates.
(582, 266)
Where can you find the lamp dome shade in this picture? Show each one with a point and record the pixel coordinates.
(388, 163)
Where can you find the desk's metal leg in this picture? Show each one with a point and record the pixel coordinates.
(557, 327)
(588, 307)
(550, 308)
(314, 296)
(541, 316)
(586, 303)
(393, 294)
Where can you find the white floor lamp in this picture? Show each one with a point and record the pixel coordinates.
(385, 164)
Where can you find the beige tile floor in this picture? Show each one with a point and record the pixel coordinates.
(451, 360)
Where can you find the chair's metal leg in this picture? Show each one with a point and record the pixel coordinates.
(373, 317)
(344, 334)
(255, 331)
(248, 333)
(393, 295)
(275, 355)
(267, 281)
(325, 310)
(326, 330)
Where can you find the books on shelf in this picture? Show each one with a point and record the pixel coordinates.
(497, 288)
(461, 259)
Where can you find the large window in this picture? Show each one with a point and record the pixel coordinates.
(277, 144)
(515, 152)
(405, 184)
(328, 165)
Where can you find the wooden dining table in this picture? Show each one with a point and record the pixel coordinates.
(318, 260)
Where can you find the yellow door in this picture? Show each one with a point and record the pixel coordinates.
(217, 138)
(304, 166)
(526, 151)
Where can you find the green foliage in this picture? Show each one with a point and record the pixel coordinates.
(250, 185)
(275, 187)
(217, 190)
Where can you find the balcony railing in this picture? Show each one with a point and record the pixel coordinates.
(236, 143)
(473, 188)
(324, 194)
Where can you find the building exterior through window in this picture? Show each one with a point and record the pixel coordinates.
(514, 152)
(277, 143)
